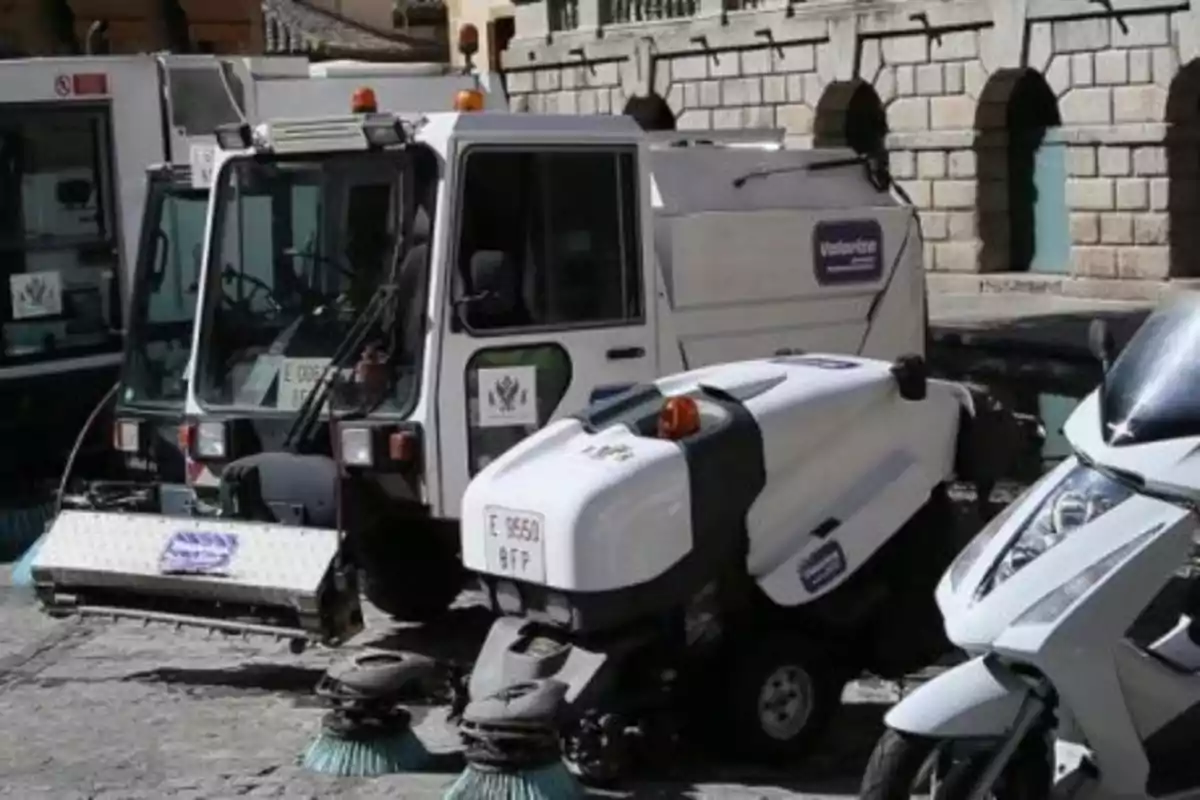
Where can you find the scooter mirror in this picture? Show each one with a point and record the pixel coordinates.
(1101, 343)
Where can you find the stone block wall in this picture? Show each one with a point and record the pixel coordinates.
(1112, 78)
(969, 96)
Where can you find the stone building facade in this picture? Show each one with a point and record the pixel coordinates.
(319, 28)
(1051, 143)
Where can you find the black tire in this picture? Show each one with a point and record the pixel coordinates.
(894, 766)
(765, 665)
(413, 576)
(898, 758)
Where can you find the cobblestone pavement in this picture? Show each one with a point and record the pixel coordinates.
(118, 711)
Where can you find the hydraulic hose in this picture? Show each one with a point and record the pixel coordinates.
(79, 440)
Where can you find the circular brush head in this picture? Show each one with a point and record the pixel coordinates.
(351, 745)
(552, 782)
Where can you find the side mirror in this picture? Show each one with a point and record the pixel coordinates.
(1101, 343)
(912, 377)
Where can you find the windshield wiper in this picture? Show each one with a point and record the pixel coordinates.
(310, 409)
(381, 306)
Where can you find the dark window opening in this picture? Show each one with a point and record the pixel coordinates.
(850, 114)
(59, 263)
(500, 32)
(1183, 171)
(1016, 110)
(549, 238)
(651, 112)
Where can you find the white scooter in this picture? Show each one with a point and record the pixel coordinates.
(1045, 598)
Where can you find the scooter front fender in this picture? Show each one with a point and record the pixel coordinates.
(978, 698)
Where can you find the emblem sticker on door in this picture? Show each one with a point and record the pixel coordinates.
(507, 396)
(198, 553)
(847, 252)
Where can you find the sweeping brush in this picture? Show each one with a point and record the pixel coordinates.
(22, 571)
(354, 746)
(368, 732)
(554, 782)
(512, 747)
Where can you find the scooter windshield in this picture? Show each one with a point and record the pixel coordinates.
(299, 248)
(1152, 392)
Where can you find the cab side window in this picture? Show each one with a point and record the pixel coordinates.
(549, 239)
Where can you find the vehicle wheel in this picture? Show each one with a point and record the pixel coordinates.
(783, 693)
(597, 750)
(895, 768)
(901, 766)
(413, 576)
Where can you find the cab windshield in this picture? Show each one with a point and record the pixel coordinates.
(164, 301)
(1152, 392)
(300, 247)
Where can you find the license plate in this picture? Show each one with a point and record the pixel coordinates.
(515, 543)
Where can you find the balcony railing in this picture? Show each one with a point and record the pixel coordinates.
(569, 15)
(617, 12)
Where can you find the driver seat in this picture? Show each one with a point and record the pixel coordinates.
(412, 281)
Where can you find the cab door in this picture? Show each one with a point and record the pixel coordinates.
(550, 299)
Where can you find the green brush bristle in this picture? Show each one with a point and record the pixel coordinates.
(553, 782)
(331, 754)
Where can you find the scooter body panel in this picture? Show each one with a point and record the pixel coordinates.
(1054, 587)
(977, 698)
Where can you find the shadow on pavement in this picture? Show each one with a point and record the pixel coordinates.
(835, 768)
(272, 678)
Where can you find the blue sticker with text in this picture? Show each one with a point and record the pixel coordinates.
(847, 251)
(198, 553)
(822, 567)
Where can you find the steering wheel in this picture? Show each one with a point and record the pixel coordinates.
(293, 252)
(257, 286)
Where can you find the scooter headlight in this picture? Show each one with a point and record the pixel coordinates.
(970, 554)
(1055, 604)
(1083, 496)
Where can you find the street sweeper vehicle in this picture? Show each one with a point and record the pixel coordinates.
(146, 467)
(76, 138)
(1084, 676)
(445, 291)
(155, 472)
(719, 550)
